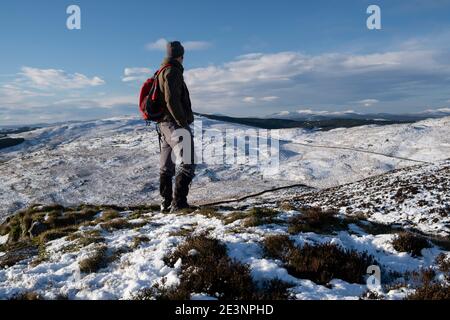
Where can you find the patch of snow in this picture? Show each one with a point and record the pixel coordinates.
(4, 239)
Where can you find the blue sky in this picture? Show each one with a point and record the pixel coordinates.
(243, 58)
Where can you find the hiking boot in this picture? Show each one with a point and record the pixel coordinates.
(165, 189)
(166, 206)
(182, 183)
(178, 208)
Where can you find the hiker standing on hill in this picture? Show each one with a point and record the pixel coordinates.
(175, 133)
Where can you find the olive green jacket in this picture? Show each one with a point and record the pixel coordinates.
(176, 100)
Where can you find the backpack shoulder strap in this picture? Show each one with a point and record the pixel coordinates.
(156, 80)
(162, 69)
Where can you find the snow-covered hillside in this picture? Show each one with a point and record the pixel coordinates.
(414, 197)
(115, 161)
(109, 252)
(119, 253)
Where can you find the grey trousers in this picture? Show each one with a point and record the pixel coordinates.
(177, 147)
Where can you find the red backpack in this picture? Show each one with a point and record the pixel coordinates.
(149, 107)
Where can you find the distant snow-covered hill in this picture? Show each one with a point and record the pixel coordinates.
(311, 115)
(115, 161)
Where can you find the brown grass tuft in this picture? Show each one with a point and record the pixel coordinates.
(411, 243)
(116, 224)
(17, 252)
(206, 268)
(28, 296)
(209, 212)
(137, 241)
(287, 206)
(428, 288)
(443, 263)
(317, 220)
(278, 247)
(45, 223)
(96, 261)
(319, 263)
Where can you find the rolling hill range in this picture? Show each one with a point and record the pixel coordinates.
(80, 218)
(115, 161)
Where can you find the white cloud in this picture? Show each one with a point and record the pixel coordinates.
(402, 78)
(367, 102)
(263, 99)
(285, 66)
(58, 79)
(35, 95)
(136, 74)
(323, 112)
(132, 71)
(160, 45)
(35, 88)
(11, 94)
(114, 101)
(443, 110)
(395, 81)
(100, 102)
(310, 112)
(249, 99)
(196, 45)
(269, 98)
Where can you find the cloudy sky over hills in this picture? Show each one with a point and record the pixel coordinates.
(251, 58)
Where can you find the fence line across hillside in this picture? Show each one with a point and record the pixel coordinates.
(299, 185)
(360, 150)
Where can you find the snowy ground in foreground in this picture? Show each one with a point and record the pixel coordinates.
(58, 275)
(115, 161)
